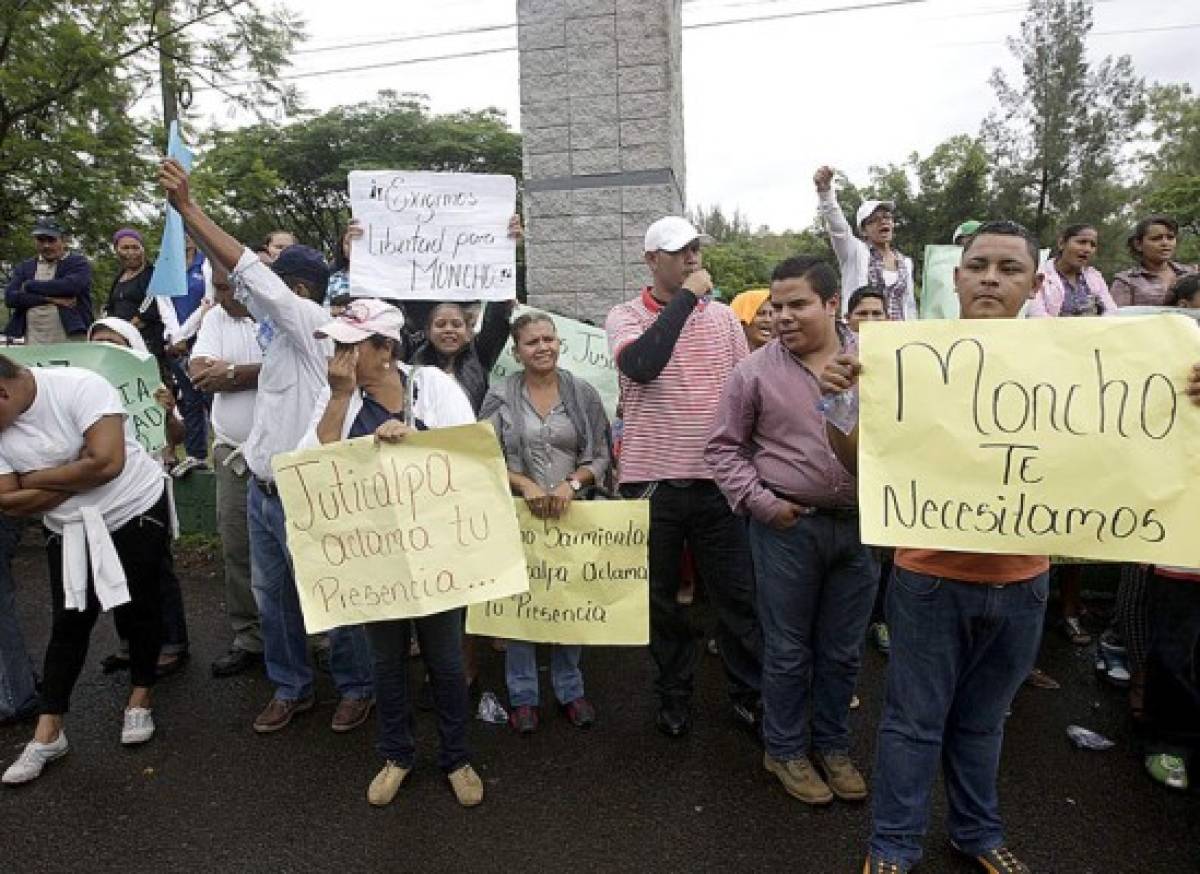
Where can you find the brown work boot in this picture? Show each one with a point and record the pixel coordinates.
(386, 784)
(841, 776)
(467, 786)
(351, 713)
(799, 779)
(279, 712)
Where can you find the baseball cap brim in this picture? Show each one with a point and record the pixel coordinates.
(340, 332)
(676, 244)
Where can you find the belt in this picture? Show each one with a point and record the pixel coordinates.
(267, 488)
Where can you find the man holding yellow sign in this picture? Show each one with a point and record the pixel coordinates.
(965, 625)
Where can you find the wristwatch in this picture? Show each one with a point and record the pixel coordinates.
(229, 373)
(575, 484)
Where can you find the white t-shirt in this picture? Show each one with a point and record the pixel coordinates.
(70, 400)
(234, 341)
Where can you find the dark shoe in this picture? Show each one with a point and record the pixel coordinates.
(1039, 679)
(581, 713)
(110, 664)
(173, 665)
(523, 719)
(351, 713)
(1074, 631)
(236, 661)
(883, 866)
(278, 713)
(674, 720)
(997, 861)
(748, 715)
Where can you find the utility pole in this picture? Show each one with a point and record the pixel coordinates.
(166, 66)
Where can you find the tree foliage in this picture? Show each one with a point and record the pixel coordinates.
(1173, 164)
(1061, 132)
(71, 74)
(293, 176)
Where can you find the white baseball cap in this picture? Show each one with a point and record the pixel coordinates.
(671, 234)
(363, 318)
(868, 209)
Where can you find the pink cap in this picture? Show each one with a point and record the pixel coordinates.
(362, 318)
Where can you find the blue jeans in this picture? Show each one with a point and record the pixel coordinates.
(816, 583)
(521, 673)
(194, 407)
(440, 636)
(285, 645)
(17, 691)
(959, 654)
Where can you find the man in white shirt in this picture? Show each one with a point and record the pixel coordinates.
(284, 301)
(225, 363)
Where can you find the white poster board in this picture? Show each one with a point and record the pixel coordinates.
(433, 236)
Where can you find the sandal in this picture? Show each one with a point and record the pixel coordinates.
(173, 665)
(1039, 679)
(1073, 629)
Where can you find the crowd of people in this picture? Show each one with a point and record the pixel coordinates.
(724, 429)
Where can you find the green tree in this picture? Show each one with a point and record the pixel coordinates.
(293, 176)
(72, 74)
(746, 260)
(1058, 139)
(1173, 164)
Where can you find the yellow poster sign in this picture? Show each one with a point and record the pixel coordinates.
(1044, 436)
(589, 579)
(396, 530)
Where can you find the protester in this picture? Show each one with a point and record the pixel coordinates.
(190, 310)
(1185, 293)
(964, 230)
(284, 300)
(225, 363)
(49, 297)
(866, 305)
(66, 457)
(274, 243)
(173, 654)
(948, 692)
(129, 298)
(872, 260)
(1152, 245)
(753, 309)
(339, 279)
(556, 442)
(674, 348)
(371, 392)
(1071, 286)
(815, 580)
(452, 346)
(18, 683)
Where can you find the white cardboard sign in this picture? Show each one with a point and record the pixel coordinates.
(433, 236)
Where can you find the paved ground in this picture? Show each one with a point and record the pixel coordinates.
(209, 795)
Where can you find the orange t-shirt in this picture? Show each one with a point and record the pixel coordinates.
(972, 567)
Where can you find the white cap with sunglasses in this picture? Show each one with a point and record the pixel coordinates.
(672, 234)
(364, 317)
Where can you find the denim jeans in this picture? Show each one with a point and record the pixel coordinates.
(521, 673)
(440, 636)
(816, 583)
(698, 516)
(194, 407)
(285, 646)
(17, 682)
(959, 654)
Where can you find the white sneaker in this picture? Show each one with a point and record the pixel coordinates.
(139, 726)
(33, 759)
(186, 466)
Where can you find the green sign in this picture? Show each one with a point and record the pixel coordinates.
(583, 351)
(133, 374)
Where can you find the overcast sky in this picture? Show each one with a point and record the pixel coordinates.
(764, 103)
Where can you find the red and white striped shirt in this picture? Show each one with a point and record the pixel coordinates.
(667, 421)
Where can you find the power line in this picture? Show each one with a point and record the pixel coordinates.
(857, 7)
(465, 31)
(1126, 32)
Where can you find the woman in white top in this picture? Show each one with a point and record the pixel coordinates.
(371, 392)
(870, 261)
(65, 456)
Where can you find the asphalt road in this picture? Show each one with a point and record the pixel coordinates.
(207, 794)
